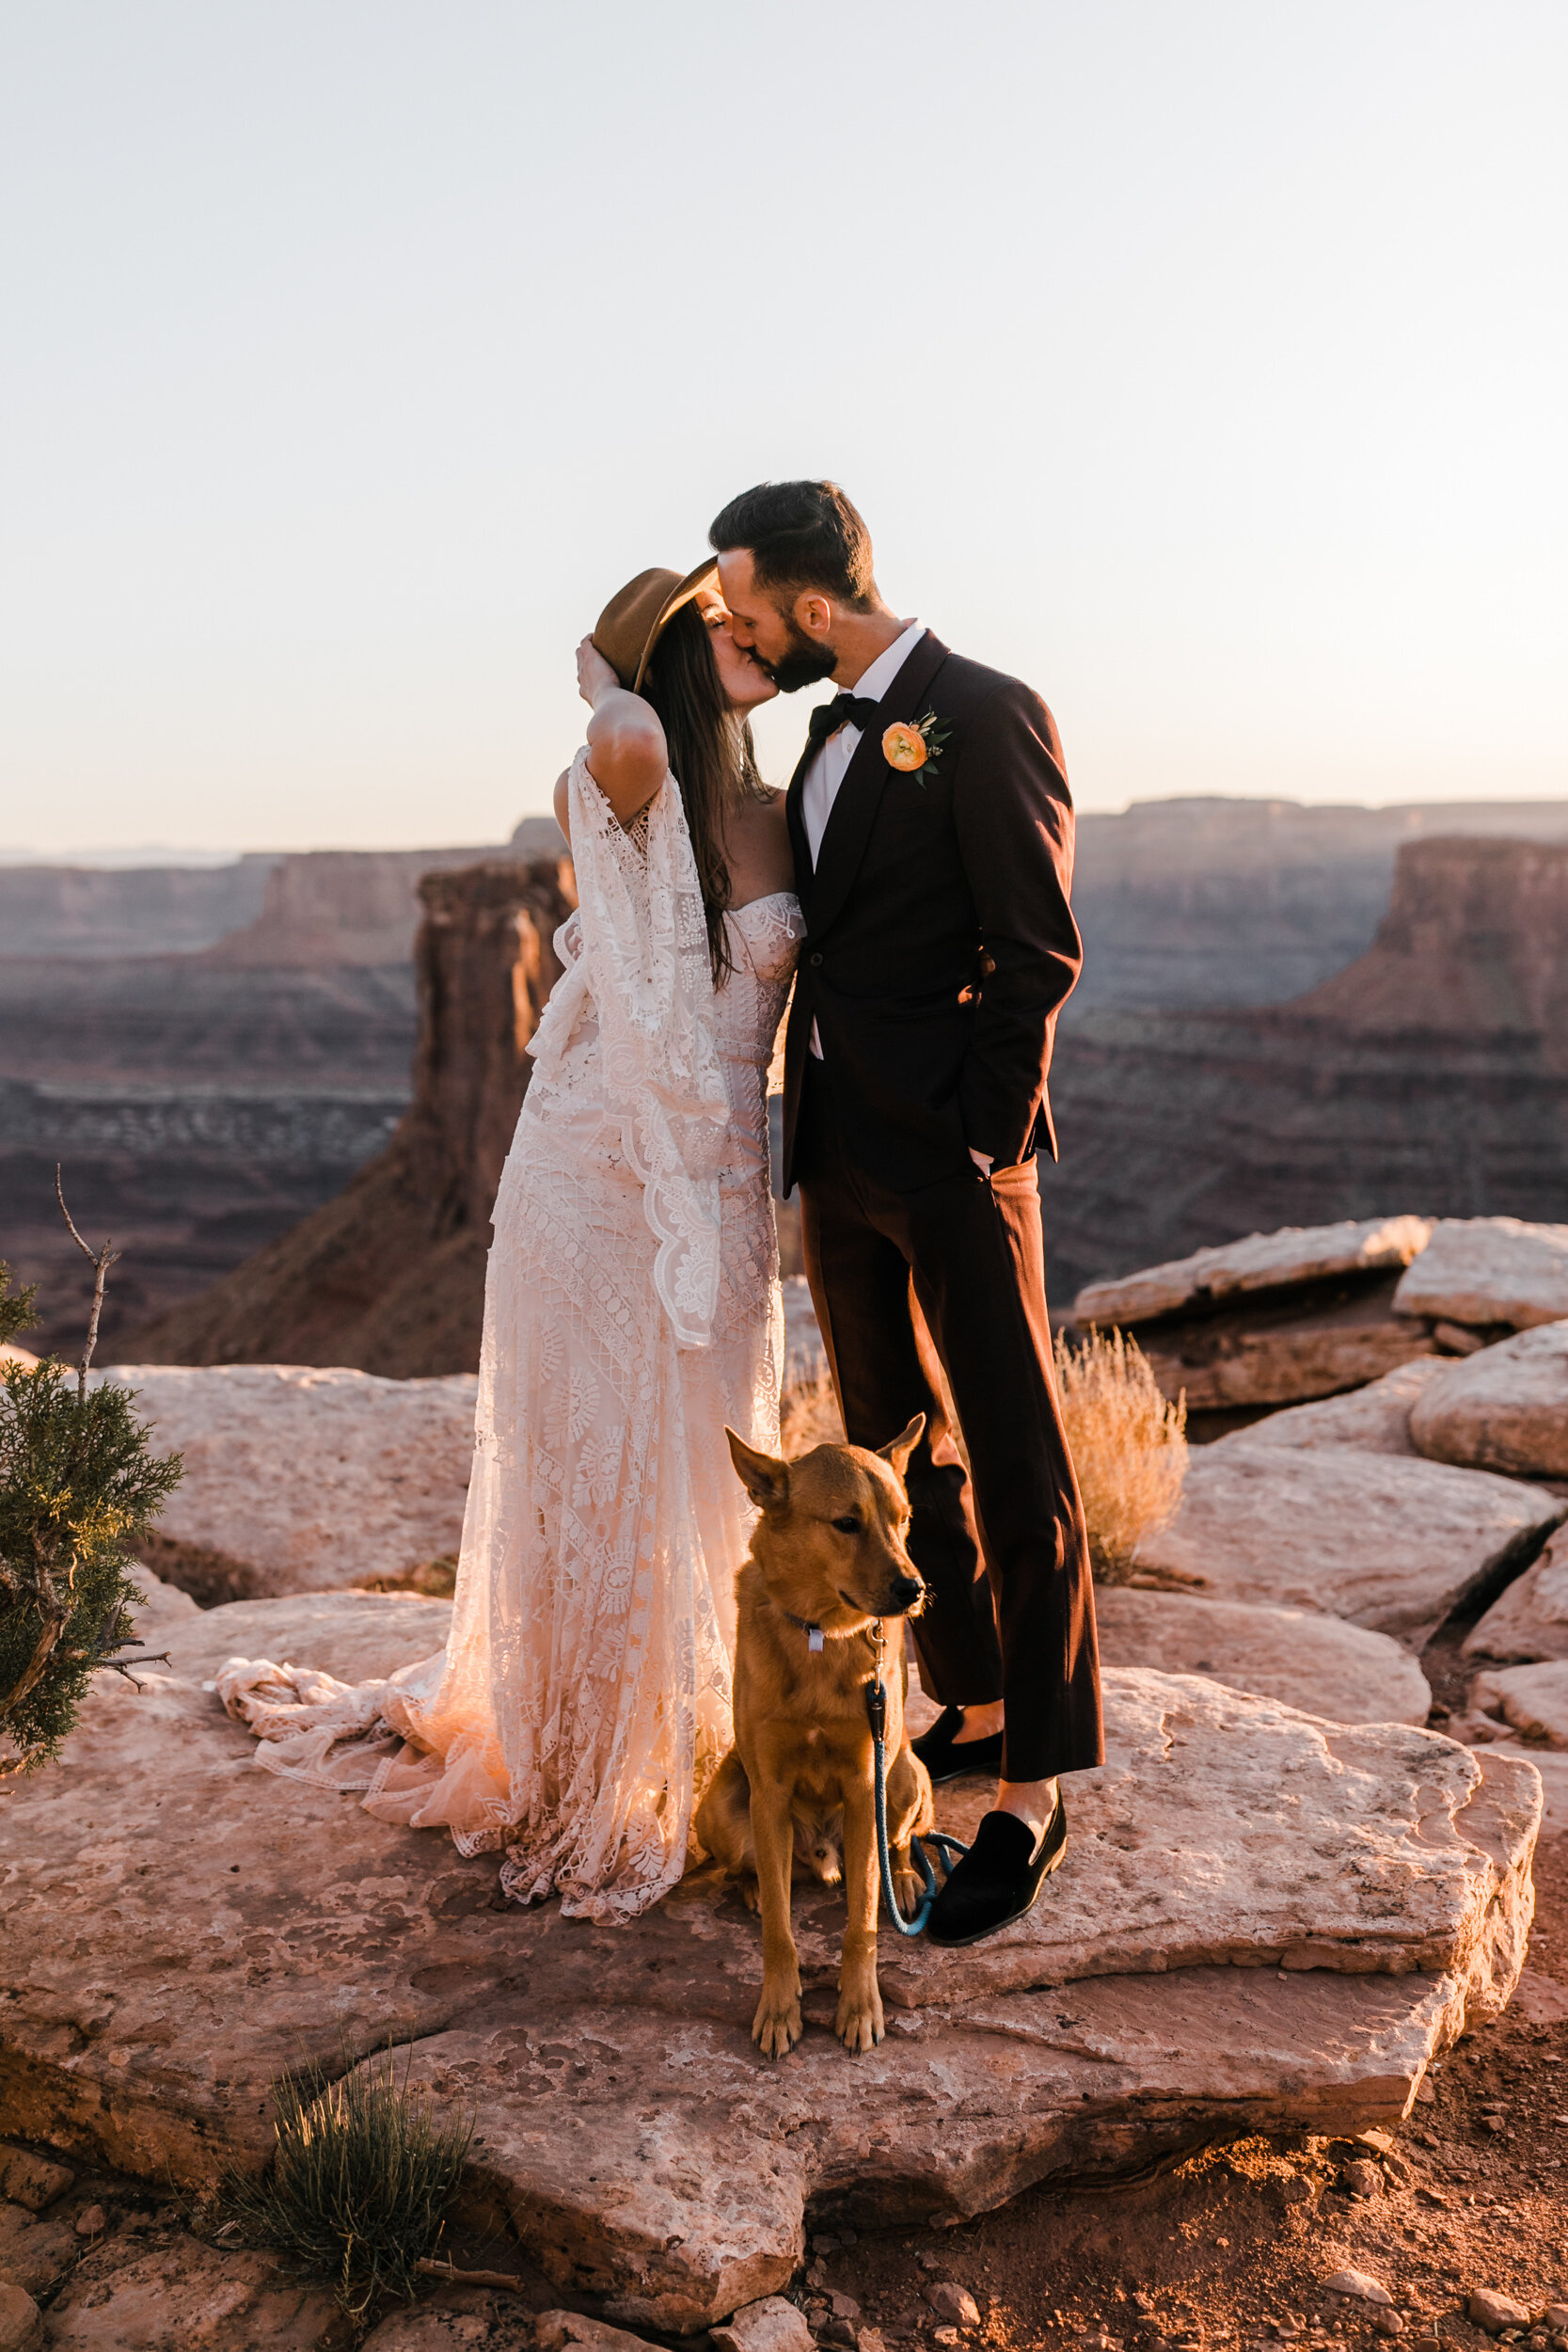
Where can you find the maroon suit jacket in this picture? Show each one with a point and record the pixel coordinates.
(940, 944)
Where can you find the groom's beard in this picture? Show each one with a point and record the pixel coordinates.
(806, 663)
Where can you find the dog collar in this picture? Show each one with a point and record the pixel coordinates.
(814, 1636)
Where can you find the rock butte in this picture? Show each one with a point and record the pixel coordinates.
(1532, 1618)
(1261, 1261)
(1387, 1542)
(1319, 1664)
(180, 1926)
(1503, 1409)
(1489, 1269)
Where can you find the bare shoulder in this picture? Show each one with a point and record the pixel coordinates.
(757, 848)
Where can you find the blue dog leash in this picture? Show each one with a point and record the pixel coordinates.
(949, 1848)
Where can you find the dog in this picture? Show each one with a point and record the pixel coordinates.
(828, 1562)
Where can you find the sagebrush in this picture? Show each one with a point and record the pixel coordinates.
(79, 1490)
(809, 1416)
(360, 2184)
(1128, 1446)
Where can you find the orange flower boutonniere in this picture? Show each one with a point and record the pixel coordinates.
(911, 747)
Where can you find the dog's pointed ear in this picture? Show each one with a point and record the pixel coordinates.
(902, 1447)
(765, 1480)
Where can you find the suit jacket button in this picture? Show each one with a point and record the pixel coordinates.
(815, 957)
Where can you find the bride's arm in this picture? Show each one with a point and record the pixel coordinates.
(627, 755)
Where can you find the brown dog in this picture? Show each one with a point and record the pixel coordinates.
(828, 1560)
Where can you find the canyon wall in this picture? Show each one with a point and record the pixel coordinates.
(205, 1103)
(1431, 1076)
(1251, 902)
(127, 909)
(201, 1102)
(1473, 946)
(390, 1276)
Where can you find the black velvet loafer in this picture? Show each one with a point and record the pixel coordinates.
(946, 1760)
(997, 1880)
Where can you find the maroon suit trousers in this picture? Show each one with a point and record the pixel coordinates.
(1004, 1552)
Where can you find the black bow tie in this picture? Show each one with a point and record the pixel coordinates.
(844, 710)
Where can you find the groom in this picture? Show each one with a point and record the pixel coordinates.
(932, 831)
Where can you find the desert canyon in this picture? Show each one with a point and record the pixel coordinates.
(1277, 2066)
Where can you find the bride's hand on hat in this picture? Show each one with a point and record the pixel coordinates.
(594, 674)
(627, 755)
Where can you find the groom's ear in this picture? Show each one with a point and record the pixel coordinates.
(814, 613)
(765, 1480)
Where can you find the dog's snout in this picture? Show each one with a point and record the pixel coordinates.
(907, 1590)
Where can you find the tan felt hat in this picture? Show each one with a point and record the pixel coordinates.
(629, 626)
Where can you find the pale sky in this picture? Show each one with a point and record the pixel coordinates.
(1202, 363)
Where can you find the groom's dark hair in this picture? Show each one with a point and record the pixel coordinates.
(802, 535)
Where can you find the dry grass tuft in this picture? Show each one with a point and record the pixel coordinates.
(1128, 1446)
(360, 2181)
(809, 1416)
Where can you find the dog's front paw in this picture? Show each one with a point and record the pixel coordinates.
(859, 2023)
(909, 1887)
(776, 2027)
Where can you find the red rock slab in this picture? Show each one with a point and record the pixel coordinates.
(180, 1928)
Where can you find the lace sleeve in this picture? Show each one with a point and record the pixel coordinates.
(642, 958)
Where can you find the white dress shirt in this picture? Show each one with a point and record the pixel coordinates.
(826, 771)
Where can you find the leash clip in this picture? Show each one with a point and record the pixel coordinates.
(947, 1848)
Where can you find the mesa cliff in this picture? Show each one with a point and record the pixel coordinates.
(1432, 1072)
(390, 1277)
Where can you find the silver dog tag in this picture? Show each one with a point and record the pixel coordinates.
(813, 1639)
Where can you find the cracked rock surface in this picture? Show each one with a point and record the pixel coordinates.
(1530, 1620)
(1387, 1542)
(1319, 1664)
(1374, 1420)
(1265, 1922)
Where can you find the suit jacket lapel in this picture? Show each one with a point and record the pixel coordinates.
(854, 810)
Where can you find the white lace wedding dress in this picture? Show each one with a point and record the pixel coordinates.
(632, 1308)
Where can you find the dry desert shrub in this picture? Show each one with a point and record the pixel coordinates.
(360, 2182)
(809, 1416)
(1128, 1446)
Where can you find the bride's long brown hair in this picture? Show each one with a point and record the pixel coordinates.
(712, 760)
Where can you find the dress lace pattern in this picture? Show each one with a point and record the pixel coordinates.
(632, 1308)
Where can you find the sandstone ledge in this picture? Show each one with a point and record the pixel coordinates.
(1389, 1541)
(299, 1476)
(1260, 1262)
(1485, 1270)
(1321, 1664)
(1505, 1408)
(180, 1927)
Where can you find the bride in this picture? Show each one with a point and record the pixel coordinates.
(632, 1308)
